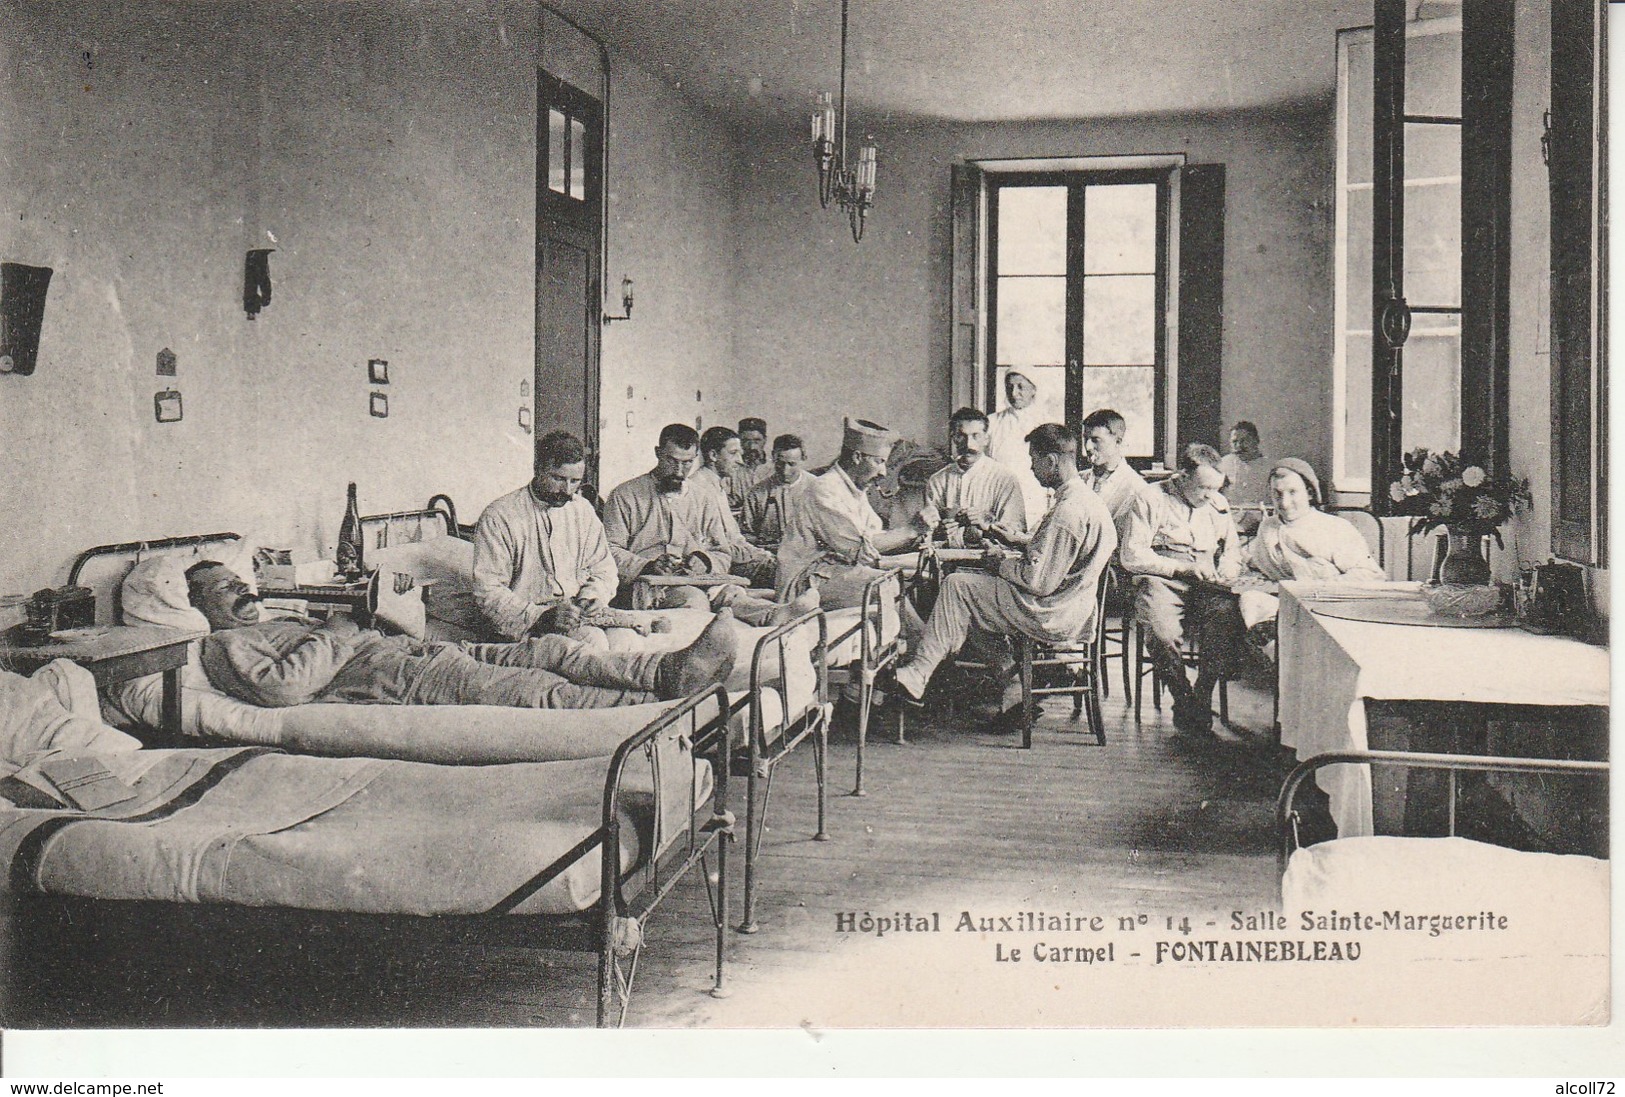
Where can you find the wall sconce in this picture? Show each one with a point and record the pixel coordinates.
(626, 303)
(257, 280)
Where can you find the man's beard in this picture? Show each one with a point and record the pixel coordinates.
(667, 485)
(554, 499)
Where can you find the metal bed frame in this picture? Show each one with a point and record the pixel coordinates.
(875, 655)
(613, 928)
(761, 758)
(1286, 813)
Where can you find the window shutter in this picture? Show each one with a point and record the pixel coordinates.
(1201, 303)
(964, 375)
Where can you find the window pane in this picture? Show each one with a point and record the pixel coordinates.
(1050, 381)
(1131, 391)
(1357, 408)
(1032, 230)
(1433, 244)
(1358, 271)
(1119, 319)
(1359, 117)
(578, 159)
(1120, 229)
(555, 151)
(1432, 381)
(1432, 151)
(1433, 74)
(1032, 322)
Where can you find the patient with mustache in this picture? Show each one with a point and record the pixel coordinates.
(294, 660)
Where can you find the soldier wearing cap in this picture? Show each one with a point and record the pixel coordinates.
(754, 469)
(834, 540)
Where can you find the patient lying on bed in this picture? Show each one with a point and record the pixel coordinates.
(292, 661)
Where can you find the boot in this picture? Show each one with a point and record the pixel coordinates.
(709, 659)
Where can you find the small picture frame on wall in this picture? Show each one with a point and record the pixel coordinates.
(166, 406)
(377, 371)
(378, 405)
(524, 420)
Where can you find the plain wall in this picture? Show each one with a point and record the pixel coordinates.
(828, 327)
(389, 148)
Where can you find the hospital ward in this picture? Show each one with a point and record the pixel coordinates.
(690, 514)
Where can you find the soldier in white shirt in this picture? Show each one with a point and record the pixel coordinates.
(1246, 477)
(973, 491)
(1007, 432)
(754, 467)
(1047, 592)
(1109, 473)
(768, 504)
(721, 459)
(1180, 545)
(541, 559)
(660, 524)
(834, 540)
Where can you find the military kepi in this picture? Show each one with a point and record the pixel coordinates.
(862, 436)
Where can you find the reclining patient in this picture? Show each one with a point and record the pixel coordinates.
(291, 661)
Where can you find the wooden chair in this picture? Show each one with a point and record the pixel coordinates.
(1078, 663)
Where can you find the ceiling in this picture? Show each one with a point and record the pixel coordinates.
(762, 61)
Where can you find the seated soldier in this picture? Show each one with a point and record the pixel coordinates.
(1299, 541)
(541, 559)
(720, 459)
(1109, 472)
(291, 661)
(1047, 592)
(973, 494)
(769, 501)
(754, 467)
(658, 524)
(1179, 545)
(833, 539)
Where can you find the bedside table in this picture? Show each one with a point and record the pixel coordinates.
(116, 654)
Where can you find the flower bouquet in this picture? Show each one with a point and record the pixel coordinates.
(1439, 491)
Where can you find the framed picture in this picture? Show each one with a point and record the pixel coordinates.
(166, 406)
(377, 371)
(379, 405)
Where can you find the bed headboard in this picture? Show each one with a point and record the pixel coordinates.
(104, 567)
(410, 527)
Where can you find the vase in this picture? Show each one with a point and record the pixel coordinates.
(1462, 562)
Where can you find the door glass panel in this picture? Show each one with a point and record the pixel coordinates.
(1433, 75)
(1432, 152)
(1357, 130)
(1031, 322)
(1358, 271)
(1357, 405)
(1433, 244)
(1120, 229)
(555, 151)
(1032, 230)
(578, 159)
(1131, 391)
(1432, 415)
(1119, 319)
(1050, 381)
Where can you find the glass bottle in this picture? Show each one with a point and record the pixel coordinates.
(349, 550)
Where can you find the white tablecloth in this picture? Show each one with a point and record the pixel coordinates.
(1330, 667)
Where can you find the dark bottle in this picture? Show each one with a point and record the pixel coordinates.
(349, 550)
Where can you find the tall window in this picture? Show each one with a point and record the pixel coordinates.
(1430, 263)
(1078, 293)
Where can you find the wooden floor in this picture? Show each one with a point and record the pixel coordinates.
(1152, 826)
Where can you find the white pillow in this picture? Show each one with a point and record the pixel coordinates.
(154, 593)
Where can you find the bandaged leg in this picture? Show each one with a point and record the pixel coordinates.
(573, 660)
(762, 612)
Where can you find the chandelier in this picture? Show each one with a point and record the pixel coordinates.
(853, 188)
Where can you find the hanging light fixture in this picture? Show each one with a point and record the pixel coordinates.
(852, 188)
